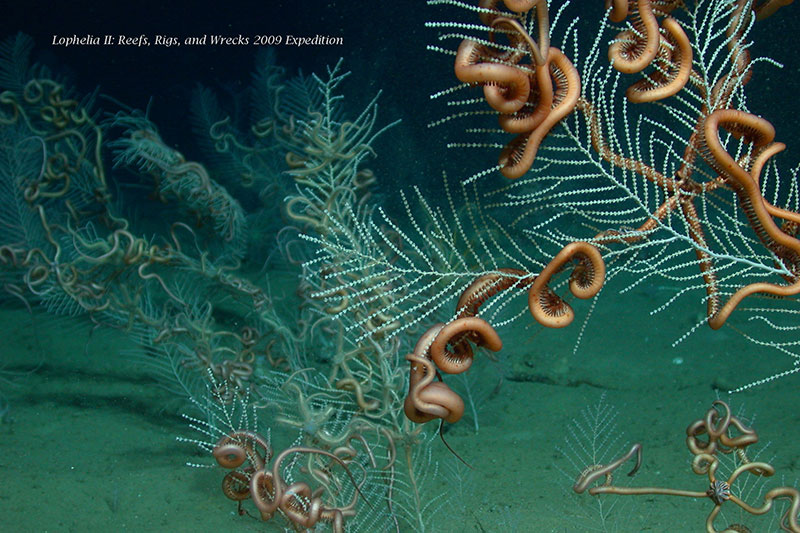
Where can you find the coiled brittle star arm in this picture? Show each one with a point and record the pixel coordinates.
(716, 424)
(297, 501)
(427, 400)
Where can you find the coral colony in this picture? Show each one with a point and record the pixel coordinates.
(631, 151)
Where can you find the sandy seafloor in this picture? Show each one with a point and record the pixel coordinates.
(89, 443)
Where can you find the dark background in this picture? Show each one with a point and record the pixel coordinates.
(384, 47)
